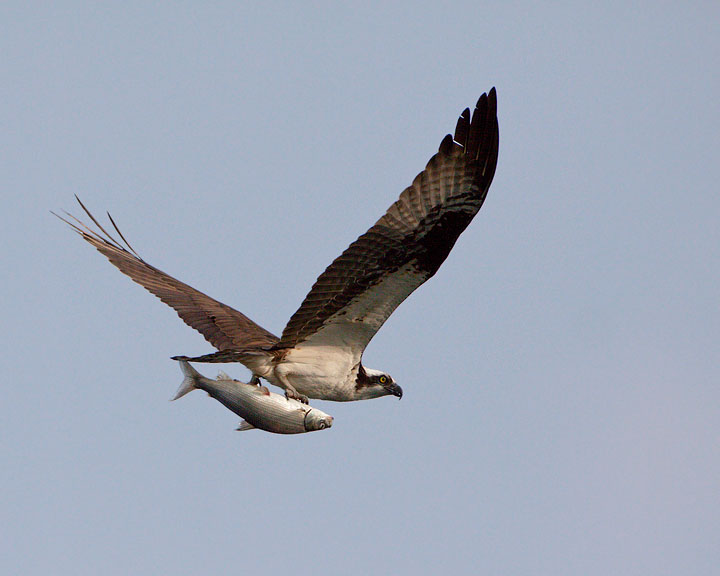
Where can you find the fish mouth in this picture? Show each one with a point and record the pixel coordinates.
(318, 420)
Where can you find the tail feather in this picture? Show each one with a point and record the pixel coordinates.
(190, 382)
(224, 356)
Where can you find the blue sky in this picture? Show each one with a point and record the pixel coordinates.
(561, 402)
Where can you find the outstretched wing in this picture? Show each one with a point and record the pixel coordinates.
(356, 294)
(222, 326)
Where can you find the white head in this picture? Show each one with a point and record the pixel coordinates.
(371, 383)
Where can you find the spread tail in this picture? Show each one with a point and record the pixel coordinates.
(190, 382)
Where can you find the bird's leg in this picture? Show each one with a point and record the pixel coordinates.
(290, 392)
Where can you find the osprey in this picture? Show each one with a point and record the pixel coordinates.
(319, 354)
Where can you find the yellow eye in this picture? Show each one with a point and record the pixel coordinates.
(383, 379)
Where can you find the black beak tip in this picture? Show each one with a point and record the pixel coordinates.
(398, 392)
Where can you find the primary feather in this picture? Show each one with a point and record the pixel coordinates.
(319, 353)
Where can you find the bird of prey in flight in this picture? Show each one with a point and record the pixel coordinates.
(319, 354)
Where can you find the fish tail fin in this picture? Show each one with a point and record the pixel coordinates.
(190, 382)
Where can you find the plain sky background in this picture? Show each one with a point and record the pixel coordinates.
(562, 400)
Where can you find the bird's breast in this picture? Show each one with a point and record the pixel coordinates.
(318, 372)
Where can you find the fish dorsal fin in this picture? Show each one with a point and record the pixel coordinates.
(223, 376)
(245, 425)
(264, 391)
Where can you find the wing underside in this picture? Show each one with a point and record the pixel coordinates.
(356, 294)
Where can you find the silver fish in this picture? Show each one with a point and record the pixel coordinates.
(259, 407)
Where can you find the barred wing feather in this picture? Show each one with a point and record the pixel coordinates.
(224, 327)
(356, 294)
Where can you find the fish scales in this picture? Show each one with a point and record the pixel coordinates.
(259, 407)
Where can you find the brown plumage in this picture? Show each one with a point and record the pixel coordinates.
(224, 327)
(320, 351)
(419, 229)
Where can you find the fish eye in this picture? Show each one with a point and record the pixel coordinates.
(321, 425)
(383, 379)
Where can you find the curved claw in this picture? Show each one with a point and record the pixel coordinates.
(294, 395)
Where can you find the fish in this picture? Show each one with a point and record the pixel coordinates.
(258, 407)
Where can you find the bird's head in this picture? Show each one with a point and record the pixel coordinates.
(374, 383)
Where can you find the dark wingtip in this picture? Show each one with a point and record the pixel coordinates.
(462, 127)
(446, 144)
(121, 235)
(63, 219)
(492, 101)
(487, 103)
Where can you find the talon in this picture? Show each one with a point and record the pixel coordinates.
(255, 380)
(294, 395)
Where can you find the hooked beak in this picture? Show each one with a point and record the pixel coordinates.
(394, 389)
